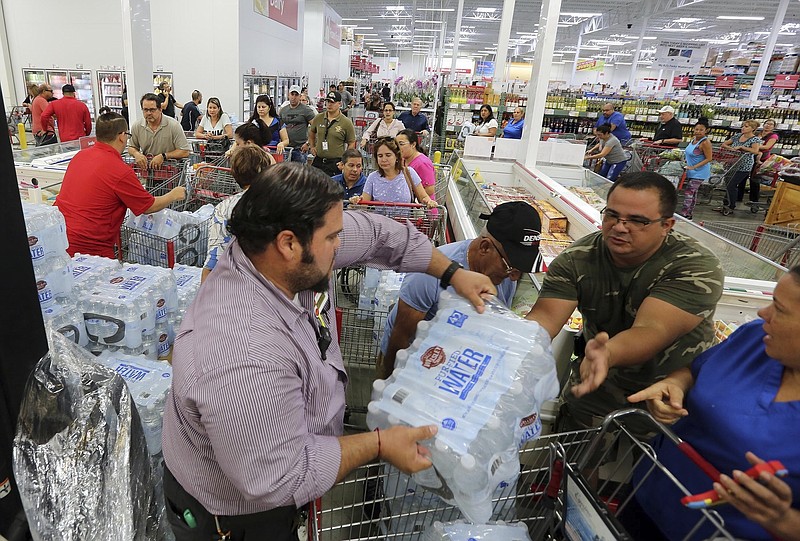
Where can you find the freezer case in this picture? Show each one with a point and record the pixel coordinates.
(84, 87)
(253, 87)
(110, 85)
(161, 76)
(35, 76)
(57, 79)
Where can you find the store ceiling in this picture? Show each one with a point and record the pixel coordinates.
(415, 25)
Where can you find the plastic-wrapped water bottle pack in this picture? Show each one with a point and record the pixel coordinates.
(462, 531)
(148, 382)
(89, 269)
(47, 230)
(188, 231)
(477, 377)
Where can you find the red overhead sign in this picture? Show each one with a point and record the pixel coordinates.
(680, 82)
(726, 81)
(282, 11)
(786, 81)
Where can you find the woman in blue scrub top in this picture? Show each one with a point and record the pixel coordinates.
(738, 404)
(513, 129)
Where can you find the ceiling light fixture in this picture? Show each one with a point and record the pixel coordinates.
(686, 20)
(485, 10)
(395, 8)
(436, 9)
(587, 15)
(431, 22)
(738, 18)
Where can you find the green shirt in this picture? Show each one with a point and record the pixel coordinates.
(682, 273)
(339, 132)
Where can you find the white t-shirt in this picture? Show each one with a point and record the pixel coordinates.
(219, 128)
(484, 128)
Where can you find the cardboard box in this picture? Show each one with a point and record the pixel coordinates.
(552, 220)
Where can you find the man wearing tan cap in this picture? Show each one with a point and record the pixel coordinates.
(668, 132)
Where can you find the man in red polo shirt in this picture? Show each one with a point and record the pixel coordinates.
(99, 187)
(74, 119)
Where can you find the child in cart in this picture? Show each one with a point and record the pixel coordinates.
(744, 406)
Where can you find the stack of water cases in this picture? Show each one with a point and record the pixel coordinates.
(52, 266)
(481, 379)
(187, 231)
(461, 531)
(148, 382)
(187, 280)
(378, 294)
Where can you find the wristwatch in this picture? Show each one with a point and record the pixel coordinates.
(164, 155)
(444, 281)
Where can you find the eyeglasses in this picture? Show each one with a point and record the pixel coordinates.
(509, 269)
(126, 133)
(402, 143)
(631, 223)
(149, 109)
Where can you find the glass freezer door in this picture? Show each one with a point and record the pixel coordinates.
(110, 85)
(84, 88)
(33, 76)
(161, 76)
(57, 79)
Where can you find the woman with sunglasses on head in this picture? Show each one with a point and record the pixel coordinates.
(394, 180)
(216, 124)
(412, 154)
(768, 140)
(388, 126)
(265, 113)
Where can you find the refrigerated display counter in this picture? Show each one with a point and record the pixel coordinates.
(40, 170)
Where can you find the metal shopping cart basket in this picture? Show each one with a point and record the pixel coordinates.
(211, 184)
(724, 163)
(170, 172)
(442, 179)
(362, 320)
(542, 496)
(780, 244)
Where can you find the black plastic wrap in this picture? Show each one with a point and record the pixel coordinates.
(80, 456)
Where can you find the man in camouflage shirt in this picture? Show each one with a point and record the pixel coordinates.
(647, 295)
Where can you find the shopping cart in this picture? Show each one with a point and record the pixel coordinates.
(398, 509)
(776, 243)
(724, 163)
(362, 320)
(150, 177)
(18, 114)
(212, 184)
(442, 179)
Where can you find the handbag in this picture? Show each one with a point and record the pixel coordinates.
(218, 145)
(410, 184)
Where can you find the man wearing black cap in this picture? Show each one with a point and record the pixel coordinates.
(330, 134)
(74, 119)
(507, 248)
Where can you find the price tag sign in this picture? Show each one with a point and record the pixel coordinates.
(786, 81)
(715, 122)
(652, 118)
(573, 113)
(466, 106)
(454, 106)
(642, 118)
(629, 117)
(736, 124)
(684, 120)
(591, 115)
(782, 126)
(726, 81)
(549, 111)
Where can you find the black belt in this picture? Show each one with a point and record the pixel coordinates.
(281, 521)
(327, 160)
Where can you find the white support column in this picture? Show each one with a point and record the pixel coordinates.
(138, 48)
(767, 56)
(456, 32)
(501, 57)
(670, 77)
(577, 57)
(314, 21)
(10, 90)
(658, 82)
(439, 56)
(637, 54)
(540, 77)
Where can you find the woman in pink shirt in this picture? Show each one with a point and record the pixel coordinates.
(414, 158)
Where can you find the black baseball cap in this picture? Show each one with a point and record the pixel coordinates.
(67, 88)
(517, 227)
(334, 95)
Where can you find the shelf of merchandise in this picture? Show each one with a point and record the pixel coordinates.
(110, 84)
(455, 114)
(254, 86)
(161, 76)
(284, 83)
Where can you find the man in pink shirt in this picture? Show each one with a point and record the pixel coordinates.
(74, 119)
(41, 131)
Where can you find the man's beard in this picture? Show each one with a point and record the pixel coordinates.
(308, 277)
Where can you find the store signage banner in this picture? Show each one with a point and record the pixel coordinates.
(680, 82)
(786, 81)
(333, 27)
(282, 11)
(590, 65)
(726, 81)
(680, 55)
(484, 68)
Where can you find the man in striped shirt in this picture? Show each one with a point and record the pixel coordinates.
(253, 426)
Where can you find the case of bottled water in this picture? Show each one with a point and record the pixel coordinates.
(188, 231)
(68, 320)
(148, 382)
(122, 310)
(187, 280)
(462, 531)
(89, 269)
(47, 231)
(475, 376)
(54, 280)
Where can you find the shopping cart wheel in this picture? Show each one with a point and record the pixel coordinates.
(754, 208)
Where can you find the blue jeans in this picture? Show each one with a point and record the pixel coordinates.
(612, 170)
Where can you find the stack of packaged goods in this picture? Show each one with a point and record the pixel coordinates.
(148, 382)
(480, 378)
(188, 232)
(187, 281)
(129, 310)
